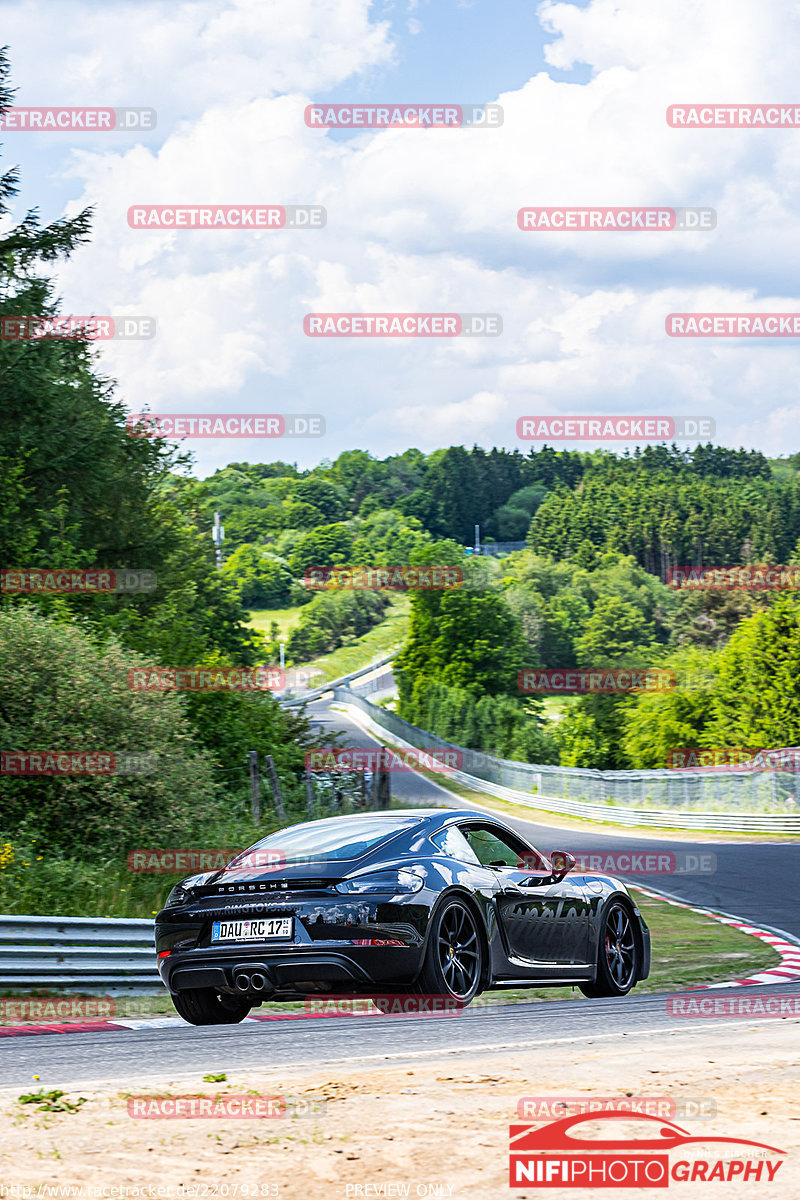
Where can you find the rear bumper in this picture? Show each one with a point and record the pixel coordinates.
(328, 949)
(292, 971)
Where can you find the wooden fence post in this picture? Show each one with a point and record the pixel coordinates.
(276, 787)
(255, 788)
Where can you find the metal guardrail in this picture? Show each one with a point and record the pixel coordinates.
(502, 547)
(384, 684)
(342, 681)
(70, 953)
(497, 777)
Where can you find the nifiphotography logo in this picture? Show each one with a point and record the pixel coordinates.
(560, 1155)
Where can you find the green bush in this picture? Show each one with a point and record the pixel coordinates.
(498, 725)
(512, 523)
(261, 579)
(386, 538)
(333, 619)
(325, 546)
(60, 692)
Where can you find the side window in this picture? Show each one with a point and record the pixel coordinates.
(494, 850)
(453, 843)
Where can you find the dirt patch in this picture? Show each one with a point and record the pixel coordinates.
(428, 1130)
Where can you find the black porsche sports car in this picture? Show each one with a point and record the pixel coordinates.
(442, 902)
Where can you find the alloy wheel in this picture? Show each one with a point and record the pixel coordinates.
(459, 950)
(620, 946)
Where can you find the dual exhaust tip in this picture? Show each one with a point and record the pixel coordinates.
(256, 982)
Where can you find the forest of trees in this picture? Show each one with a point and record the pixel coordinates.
(603, 531)
(663, 505)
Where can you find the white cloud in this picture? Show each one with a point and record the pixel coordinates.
(183, 58)
(426, 221)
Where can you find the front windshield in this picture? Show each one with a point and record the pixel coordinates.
(329, 840)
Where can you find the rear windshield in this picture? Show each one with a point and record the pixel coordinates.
(329, 840)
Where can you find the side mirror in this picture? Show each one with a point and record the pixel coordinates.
(537, 868)
(562, 862)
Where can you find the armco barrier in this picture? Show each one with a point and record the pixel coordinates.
(380, 685)
(342, 681)
(739, 802)
(502, 547)
(70, 953)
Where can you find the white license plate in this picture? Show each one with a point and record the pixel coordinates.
(256, 930)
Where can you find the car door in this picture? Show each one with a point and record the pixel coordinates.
(545, 924)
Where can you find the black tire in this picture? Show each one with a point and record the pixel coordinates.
(454, 957)
(618, 955)
(204, 1006)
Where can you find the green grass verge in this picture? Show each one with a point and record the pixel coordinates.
(386, 637)
(286, 618)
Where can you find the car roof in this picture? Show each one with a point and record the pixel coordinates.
(441, 813)
(436, 818)
(444, 816)
(429, 821)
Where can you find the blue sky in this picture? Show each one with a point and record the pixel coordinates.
(472, 50)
